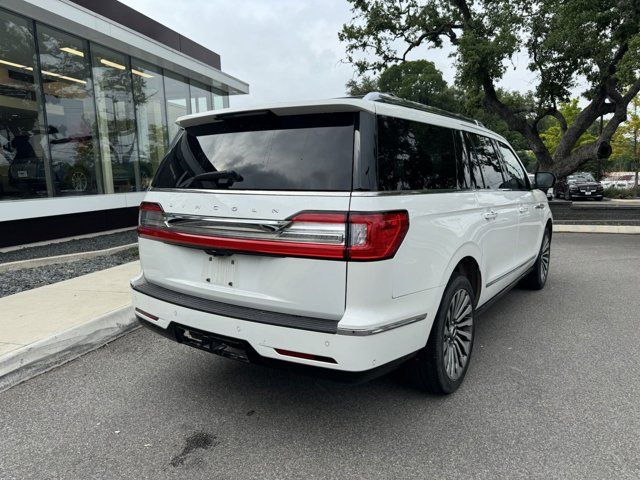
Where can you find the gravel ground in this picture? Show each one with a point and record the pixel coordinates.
(20, 280)
(72, 246)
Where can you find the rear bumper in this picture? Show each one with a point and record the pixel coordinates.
(350, 352)
(173, 332)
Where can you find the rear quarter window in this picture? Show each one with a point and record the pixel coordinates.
(415, 156)
(264, 152)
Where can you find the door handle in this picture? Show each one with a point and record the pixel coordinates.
(539, 206)
(523, 209)
(490, 215)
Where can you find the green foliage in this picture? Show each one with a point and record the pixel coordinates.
(625, 141)
(613, 192)
(366, 84)
(569, 43)
(420, 81)
(472, 105)
(553, 134)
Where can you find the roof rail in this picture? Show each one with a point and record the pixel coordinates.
(395, 100)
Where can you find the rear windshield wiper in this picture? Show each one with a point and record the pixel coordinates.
(229, 176)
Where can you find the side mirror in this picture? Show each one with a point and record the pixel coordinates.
(544, 181)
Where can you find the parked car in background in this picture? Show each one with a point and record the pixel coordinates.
(579, 185)
(349, 235)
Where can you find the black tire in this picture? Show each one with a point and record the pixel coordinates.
(567, 195)
(429, 368)
(598, 199)
(537, 278)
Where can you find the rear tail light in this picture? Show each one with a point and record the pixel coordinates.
(356, 236)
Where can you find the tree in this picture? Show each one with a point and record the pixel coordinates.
(596, 42)
(420, 81)
(625, 141)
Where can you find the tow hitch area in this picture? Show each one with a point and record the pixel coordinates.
(224, 346)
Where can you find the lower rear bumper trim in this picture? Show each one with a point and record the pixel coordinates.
(313, 324)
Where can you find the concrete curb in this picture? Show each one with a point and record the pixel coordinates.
(43, 355)
(68, 257)
(627, 229)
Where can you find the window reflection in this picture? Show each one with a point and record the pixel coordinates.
(66, 82)
(219, 100)
(81, 118)
(200, 97)
(116, 122)
(22, 140)
(148, 94)
(177, 93)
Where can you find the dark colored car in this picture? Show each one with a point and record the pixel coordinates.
(579, 185)
(73, 166)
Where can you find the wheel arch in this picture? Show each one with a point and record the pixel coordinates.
(467, 262)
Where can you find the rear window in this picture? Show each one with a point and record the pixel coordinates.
(263, 152)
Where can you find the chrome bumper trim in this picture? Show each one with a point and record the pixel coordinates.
(383, 328)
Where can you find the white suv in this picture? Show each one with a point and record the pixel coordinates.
(349, 235)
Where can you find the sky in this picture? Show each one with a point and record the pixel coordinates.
(287, 50)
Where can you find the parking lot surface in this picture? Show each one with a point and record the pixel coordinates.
(553, 391)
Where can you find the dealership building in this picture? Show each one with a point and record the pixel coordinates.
(89, 94)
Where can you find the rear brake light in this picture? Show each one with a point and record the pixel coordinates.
(361, 236)
(376, 236)
(150, 215)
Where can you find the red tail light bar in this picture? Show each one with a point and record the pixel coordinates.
(355, 236)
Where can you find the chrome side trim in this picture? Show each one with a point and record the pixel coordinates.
(527, 263)
(384, 328)
(386, 193)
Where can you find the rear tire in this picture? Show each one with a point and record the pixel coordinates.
(440, 367)
(537, 278)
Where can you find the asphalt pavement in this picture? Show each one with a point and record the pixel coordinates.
(553, 391)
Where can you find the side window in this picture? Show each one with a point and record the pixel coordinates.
(475, 172)
(464, 172)
(516, 177)
(484, 157)
(415, 156)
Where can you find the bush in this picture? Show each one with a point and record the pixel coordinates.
(613, 192)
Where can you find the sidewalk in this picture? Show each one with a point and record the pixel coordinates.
(47, 326)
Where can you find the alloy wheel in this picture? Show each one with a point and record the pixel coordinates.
(79, 181)
(458, 332)
(545, 257)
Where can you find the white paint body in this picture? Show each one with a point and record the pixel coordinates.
(444, 228)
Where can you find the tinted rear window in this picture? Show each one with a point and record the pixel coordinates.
(267, 152)
(415, 156)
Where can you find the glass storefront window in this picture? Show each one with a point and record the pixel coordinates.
(70, 113)
(23, 143)
(148, 94)
(200, 97)
(117, 122)
(218, 99)
(177, 93)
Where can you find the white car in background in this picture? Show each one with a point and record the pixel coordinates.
(349, 235)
